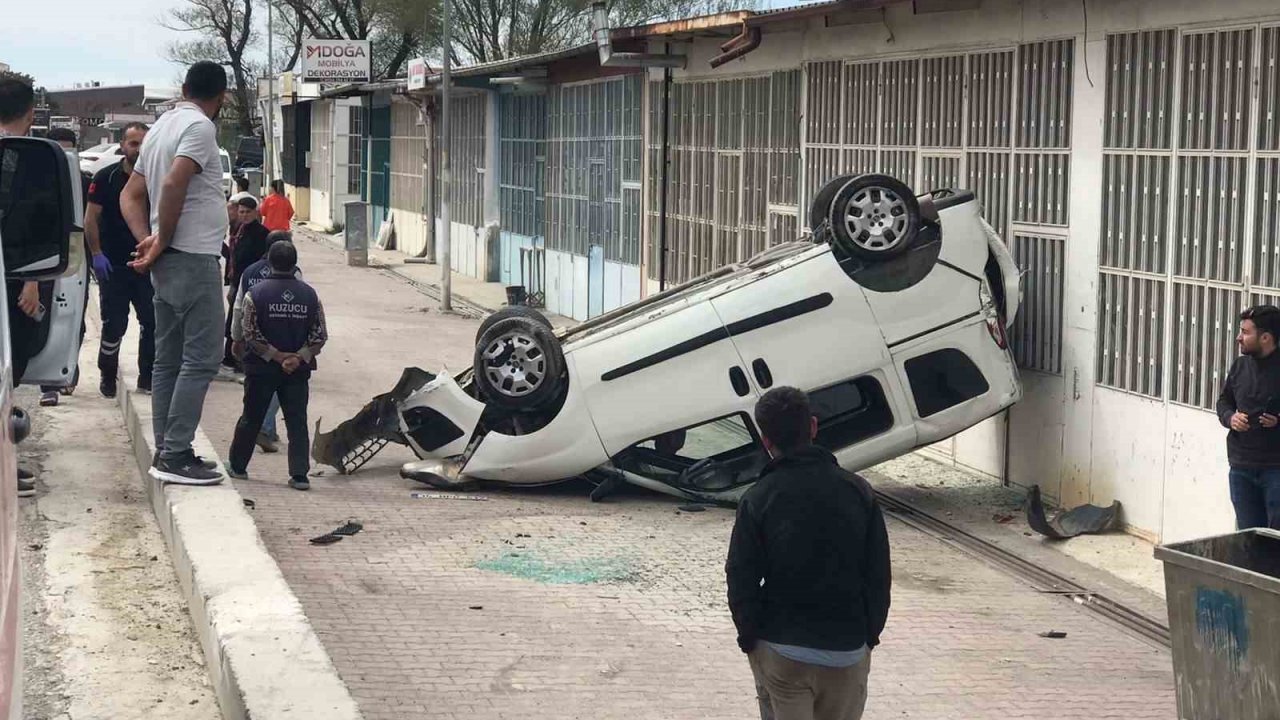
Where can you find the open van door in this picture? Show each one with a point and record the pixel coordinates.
(38, 206)
(41, 221)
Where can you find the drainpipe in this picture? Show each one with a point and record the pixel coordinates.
(610, 58)
(741, 44)
(666, 163)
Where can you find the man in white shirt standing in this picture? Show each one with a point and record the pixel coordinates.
(175, 207)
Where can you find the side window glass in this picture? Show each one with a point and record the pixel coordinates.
(850, 412)
(942, 379)
(714, 455)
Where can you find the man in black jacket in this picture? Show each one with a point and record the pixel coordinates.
(808, 572)
(1249, 407)
(245, 247)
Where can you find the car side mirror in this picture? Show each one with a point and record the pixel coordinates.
(37, 207)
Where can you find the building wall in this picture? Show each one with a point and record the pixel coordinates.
(468, 163)
(1141, 235)
(593, 195)
(522, 161)
(408, 176)
(321, 163)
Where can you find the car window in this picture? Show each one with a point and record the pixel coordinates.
(942, 379)
(714, 455)
(725, 436)
(226, 163)
(849, 412)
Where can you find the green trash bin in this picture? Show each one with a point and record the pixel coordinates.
(1223, 595)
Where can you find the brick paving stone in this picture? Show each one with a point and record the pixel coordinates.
(445, 609)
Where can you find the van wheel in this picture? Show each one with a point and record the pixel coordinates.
(519, 364)
(510, 311)
(874, 217)
(820, 208)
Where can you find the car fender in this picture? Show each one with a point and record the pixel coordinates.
(446, 397)
(1008, 271)
(567, 446)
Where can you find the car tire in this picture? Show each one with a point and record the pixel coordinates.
(519, 364)
(820, 208)
(509, 312)
(874, 218)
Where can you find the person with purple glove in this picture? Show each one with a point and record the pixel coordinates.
(112, 245)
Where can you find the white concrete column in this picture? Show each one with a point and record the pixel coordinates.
(1081, 288)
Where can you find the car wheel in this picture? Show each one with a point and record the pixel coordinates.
(519, 364)
(820, 208)
(509, 312)
(874, 217)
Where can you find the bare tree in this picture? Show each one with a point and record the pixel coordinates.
(489, 30)
(224, 34)
(289, 32)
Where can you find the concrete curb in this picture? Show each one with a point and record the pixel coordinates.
(264, 659)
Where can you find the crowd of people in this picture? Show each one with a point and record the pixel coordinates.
(163, 239)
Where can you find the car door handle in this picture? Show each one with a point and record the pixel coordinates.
(763, 376)
(739, 381)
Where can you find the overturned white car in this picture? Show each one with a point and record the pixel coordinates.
(892, 317)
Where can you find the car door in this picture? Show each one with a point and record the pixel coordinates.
(664, 373)
(808, 325)
(54, 364)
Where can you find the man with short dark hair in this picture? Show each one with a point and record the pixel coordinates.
(246, 245)
(17, 113)
(1249, 407)
(284, 330)
(176, 209)
(808, 572)
(111, 245)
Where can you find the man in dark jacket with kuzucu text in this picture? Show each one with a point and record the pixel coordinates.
(1250, 407)
(284, 330)
(808, 572)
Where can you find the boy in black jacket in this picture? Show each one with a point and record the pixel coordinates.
(808, 572)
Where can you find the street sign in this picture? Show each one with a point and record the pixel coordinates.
(336, 61)
(418, 71)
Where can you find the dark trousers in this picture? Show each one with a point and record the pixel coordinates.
(124, 289)
(229, 359)
(1255, 493)
(294, 392)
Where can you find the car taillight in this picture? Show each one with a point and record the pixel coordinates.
(995, 327)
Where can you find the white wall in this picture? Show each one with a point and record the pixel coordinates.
(1079, 442)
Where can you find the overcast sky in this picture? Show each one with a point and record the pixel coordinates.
(116, 42)
(62, 42)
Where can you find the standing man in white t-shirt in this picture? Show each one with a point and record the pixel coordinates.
(175, 207)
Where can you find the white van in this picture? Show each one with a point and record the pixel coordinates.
(40, 216)
(892, 317)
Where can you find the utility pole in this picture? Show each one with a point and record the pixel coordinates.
(270, 164)
(446, 245)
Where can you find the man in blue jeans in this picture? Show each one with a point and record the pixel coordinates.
(1250, 407)
(175, 207)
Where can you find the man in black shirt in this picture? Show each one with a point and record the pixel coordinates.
(808, 572)
(246, 246)
(1249, 407)
(112, 245)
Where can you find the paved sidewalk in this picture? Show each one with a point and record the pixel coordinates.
(541, 604)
